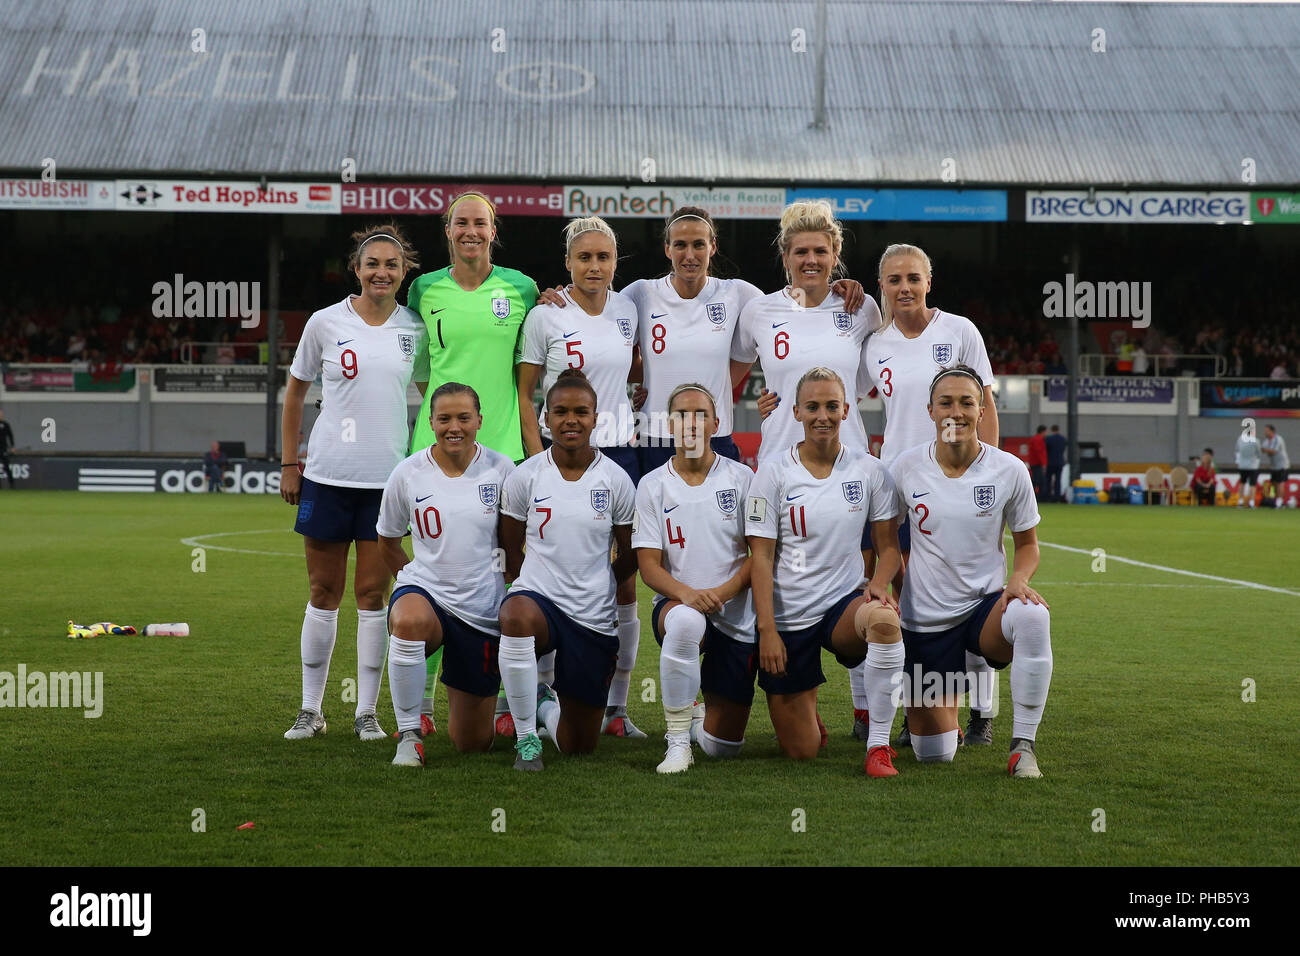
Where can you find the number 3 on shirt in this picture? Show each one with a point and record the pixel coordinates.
(886, 382)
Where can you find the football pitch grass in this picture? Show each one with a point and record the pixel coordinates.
(1146, 721)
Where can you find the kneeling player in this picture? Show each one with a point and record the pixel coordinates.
(690, 544)
(449, 594)
(960, 493)
(568, 505)
(806, 518)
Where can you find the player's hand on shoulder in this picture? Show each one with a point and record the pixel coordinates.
(553, 296)
(851, 291)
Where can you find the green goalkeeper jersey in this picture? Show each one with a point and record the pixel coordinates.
(472, 339)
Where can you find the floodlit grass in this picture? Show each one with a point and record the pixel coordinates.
(1145, 720)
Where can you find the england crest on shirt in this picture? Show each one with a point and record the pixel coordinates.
(843, 321)
(488, 495)
(985, 495)
(942, 353)
(727, 501)
(852, 491)
(600, 500)
(625, 326)
(406, 343)
(717, 312)
(501, 307)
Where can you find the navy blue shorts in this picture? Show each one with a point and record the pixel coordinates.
(905, 534)
(944, 652)
(803, 657)
(729, 666)
(585, 660)
(625, 456)
(334, 513)
(652, 457)
(469, 656)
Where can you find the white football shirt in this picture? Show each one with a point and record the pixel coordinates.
(817, 524)
(956, 526)
(600, 346)
(901, 369)
(687, 340)
(362, 431)
(701, 532)
(570, 534)
(453, 524)
(788, 340)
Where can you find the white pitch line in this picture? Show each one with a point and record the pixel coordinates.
(198, 541)
(1134, 584)
(1191, 574)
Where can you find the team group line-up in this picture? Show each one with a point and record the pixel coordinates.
(528, 530)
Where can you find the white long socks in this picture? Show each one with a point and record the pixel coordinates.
(1027, 628)
(858, 686)
(679, 666)
(319, 629)
(372, 641)
(629, 637)
(883, 672)
(406, 674)
(979, 677)
(518, 661)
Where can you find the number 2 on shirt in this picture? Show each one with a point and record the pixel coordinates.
(924, 512)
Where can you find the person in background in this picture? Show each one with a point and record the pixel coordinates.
(1038, 462)
(1275, 460)
(6, 442)
(214, 463)
(1203, 479)
(1247, 457)
(1056, 444)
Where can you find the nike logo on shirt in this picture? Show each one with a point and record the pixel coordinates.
(425, 498)
(346, 341)
(792, 497)
(883, 360)
(574, 332)
(777, 325)
(539, 500)
(673, 508)
(659, 316)
(919, 494)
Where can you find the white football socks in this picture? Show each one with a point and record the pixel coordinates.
(679, 665)
(546, 668)
(1027, 628)
(372, 641)
(979, 676)
(883, 673)
(518, 662)
(319, 629)
(629, 637)
(858, 686)
(548, 712)
(406, 675)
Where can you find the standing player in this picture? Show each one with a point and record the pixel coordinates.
(1247, 455)
(595, 332)
(448, 595)
(899, 361)
(367, 349)
(561, 511)
(804, 325)
(960, 494)
(1273, 449)
(807, 518)
(689, 536)
(474, 312)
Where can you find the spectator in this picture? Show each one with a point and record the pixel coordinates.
(1056, 445)
(1275, 460)
(1280, 370)
(1141, 365)
(76, 347)
(1038, 462)
(1204, 479)
(6, 442)
(214, 463)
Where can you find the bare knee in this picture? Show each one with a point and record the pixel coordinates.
(800, 750)
(325, 597)
(470, 742)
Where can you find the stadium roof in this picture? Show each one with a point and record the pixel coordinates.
(590, 90)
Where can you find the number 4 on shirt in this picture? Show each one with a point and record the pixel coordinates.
(680, 540)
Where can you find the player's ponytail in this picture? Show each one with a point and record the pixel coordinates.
(572, 378)
(898, 249)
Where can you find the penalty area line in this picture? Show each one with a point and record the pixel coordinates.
(200, 541)
(1160, 567)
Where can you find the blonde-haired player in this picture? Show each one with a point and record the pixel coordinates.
(960, 494)
(804, 325)
(594, 331)
(689, 536)
(808, 517)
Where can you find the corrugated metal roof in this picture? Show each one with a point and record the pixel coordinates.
(711, 91)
